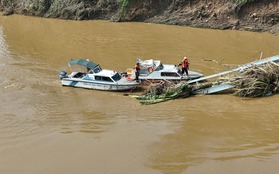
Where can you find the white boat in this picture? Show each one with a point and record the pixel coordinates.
(153, 70)
(94, 77)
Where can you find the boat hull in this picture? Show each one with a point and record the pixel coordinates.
(98, 85)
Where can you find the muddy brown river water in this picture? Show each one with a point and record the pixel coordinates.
(47, 128)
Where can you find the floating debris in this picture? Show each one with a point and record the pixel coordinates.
(256, 81)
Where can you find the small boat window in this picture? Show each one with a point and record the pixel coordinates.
(169, 74)
(116, 77)
(79, 75)
(144, 71)
(179, 71)
(101, 78)
(97, 69)
(160, 67)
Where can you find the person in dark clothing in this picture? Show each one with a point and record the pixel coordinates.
(137, 71)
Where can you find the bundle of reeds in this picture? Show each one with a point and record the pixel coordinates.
(164, 91)
(257, 81)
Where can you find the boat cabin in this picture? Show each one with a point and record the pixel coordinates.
(94, 77)
(155, 70)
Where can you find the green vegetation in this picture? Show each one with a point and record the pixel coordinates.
(39, 6)
(164, 91)
(6, 2)
(124, 4)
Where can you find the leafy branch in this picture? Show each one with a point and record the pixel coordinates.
(124, 4)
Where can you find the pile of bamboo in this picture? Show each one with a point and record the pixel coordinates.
(256, 81)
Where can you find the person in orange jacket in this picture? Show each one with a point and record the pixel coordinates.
(185, 66)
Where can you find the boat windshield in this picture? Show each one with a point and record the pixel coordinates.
(116, 77)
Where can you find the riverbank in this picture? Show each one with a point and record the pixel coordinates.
(259, 16)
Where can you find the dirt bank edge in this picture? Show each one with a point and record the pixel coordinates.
(259, 15)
